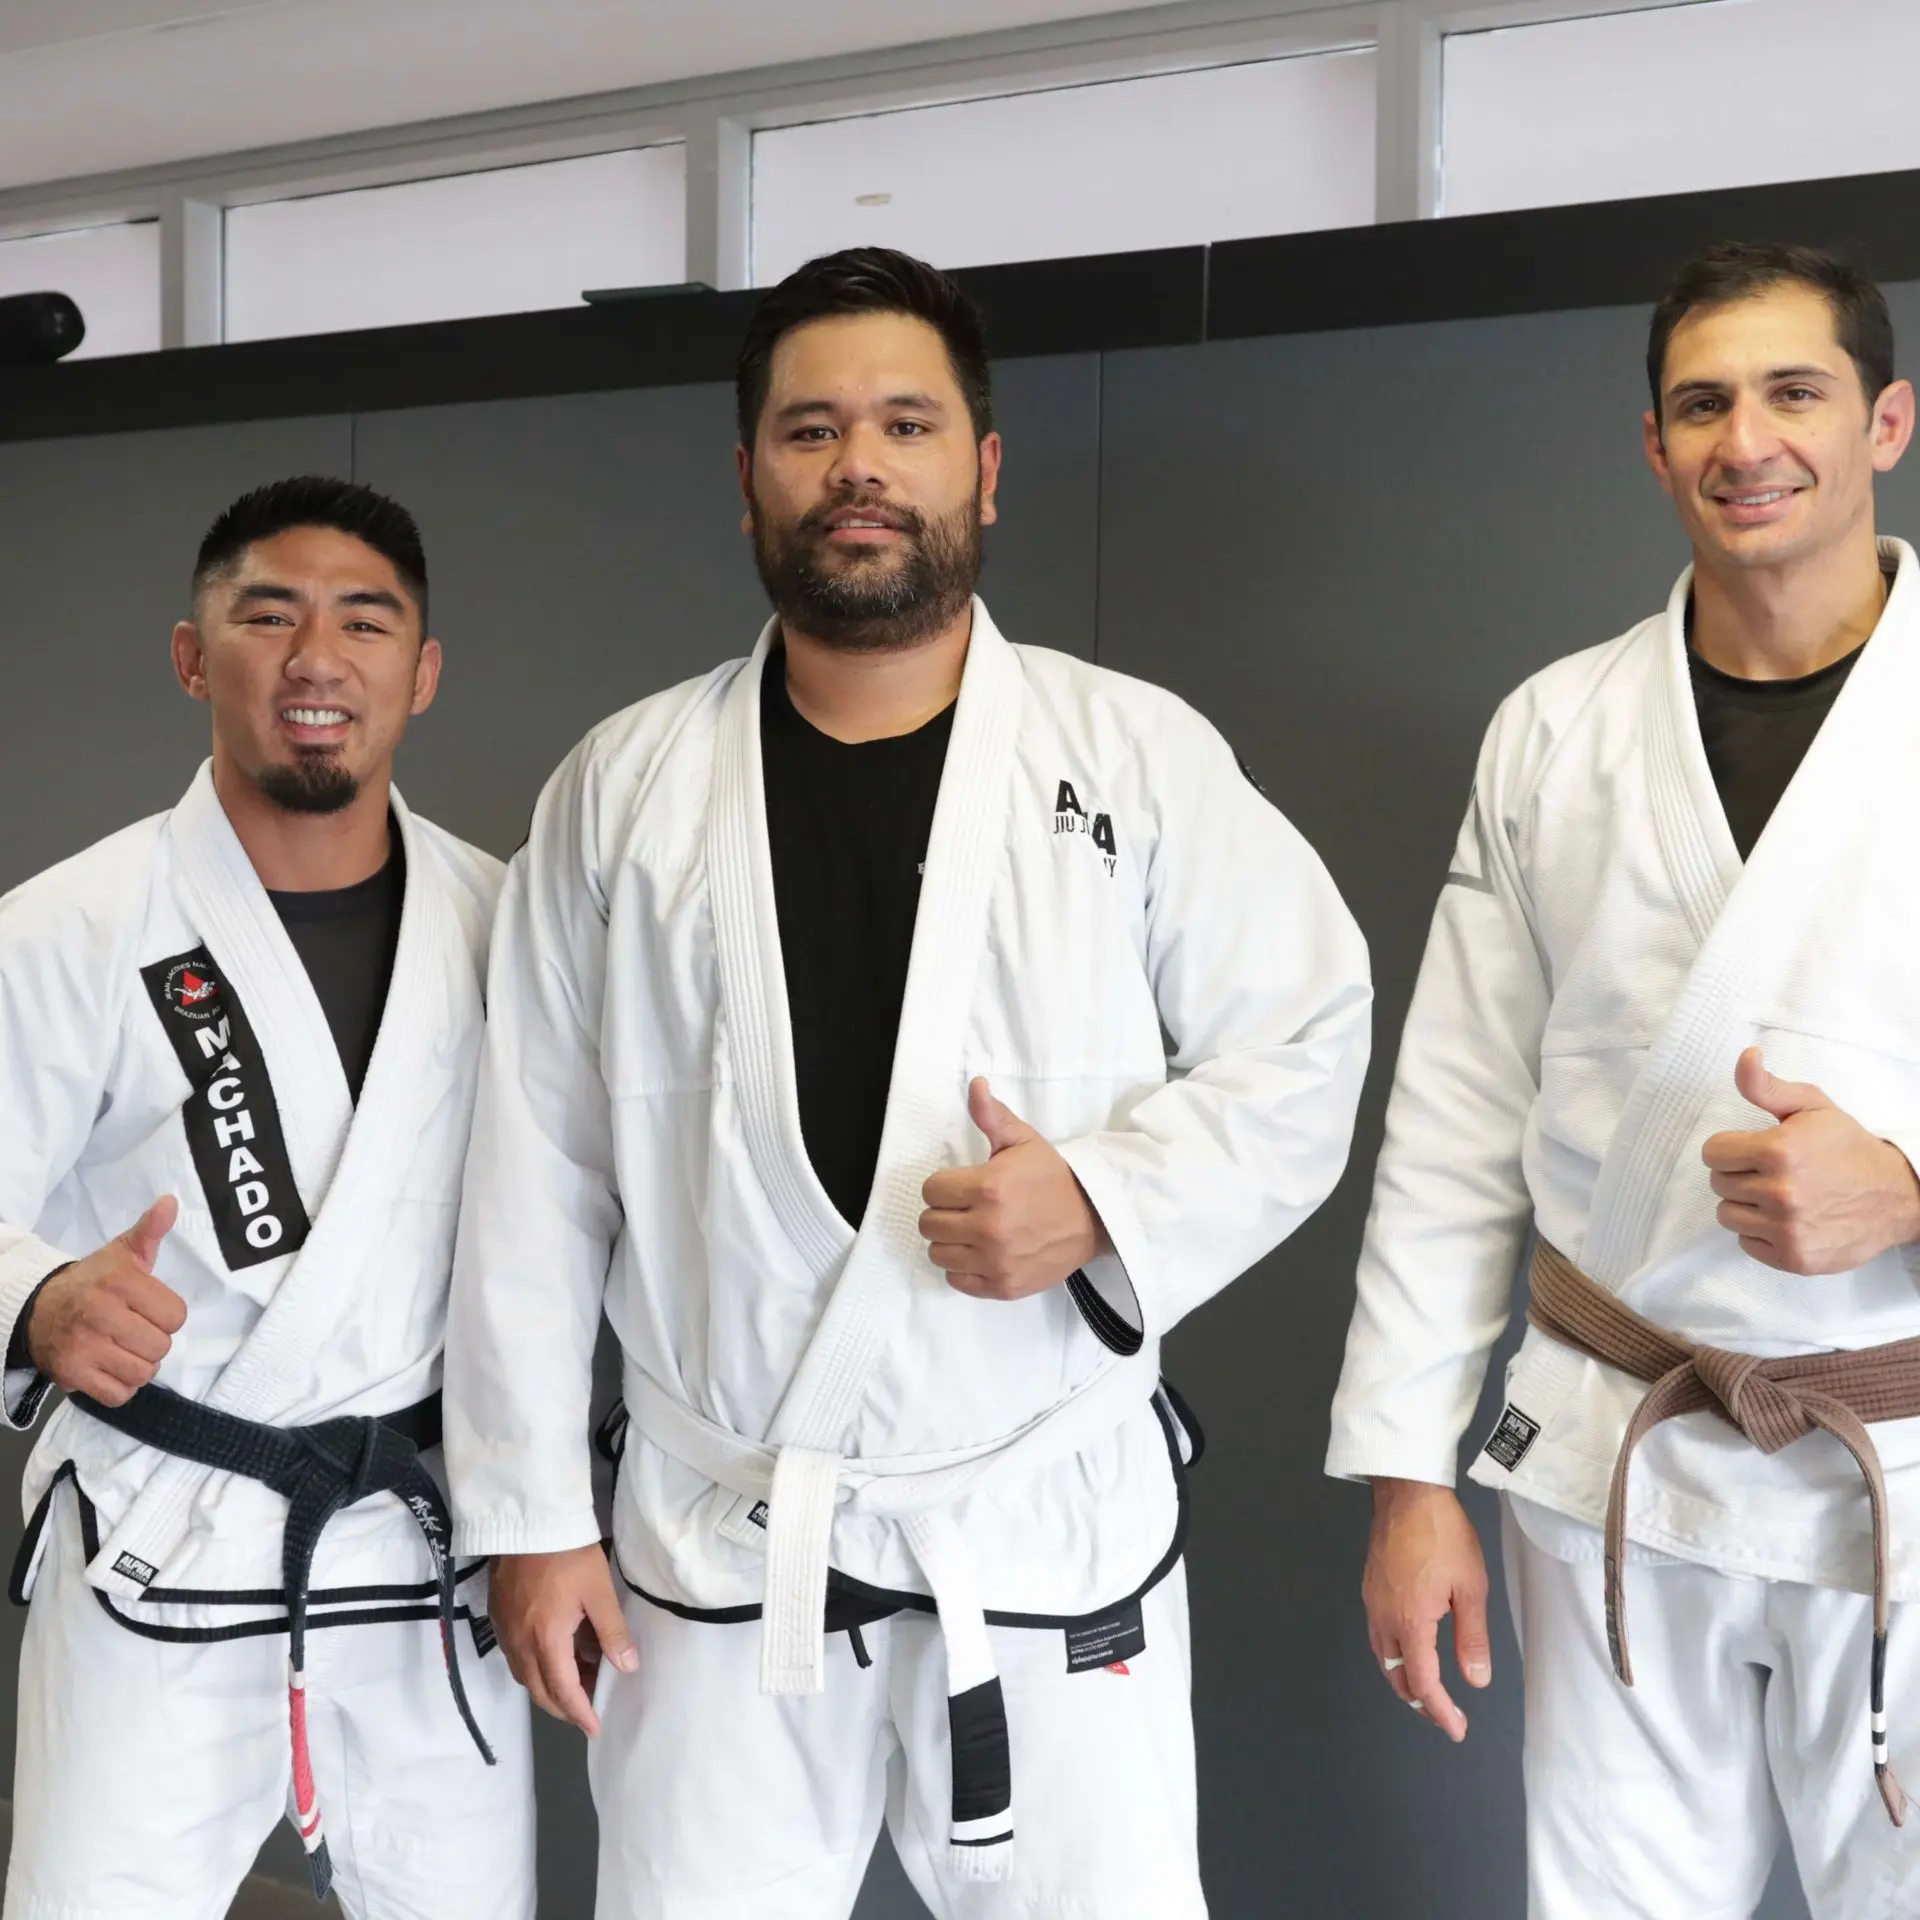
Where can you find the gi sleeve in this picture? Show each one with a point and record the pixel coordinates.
(58, 1032)
(1451, 1208)
(1260, 977)
(540, 1213)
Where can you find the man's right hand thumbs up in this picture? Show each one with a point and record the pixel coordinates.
(103, 1326)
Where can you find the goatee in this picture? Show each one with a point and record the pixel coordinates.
(879, 600)
(313, 783)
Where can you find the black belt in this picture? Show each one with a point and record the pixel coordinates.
(320, 1470)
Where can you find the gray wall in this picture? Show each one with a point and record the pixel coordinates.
(1345, 548)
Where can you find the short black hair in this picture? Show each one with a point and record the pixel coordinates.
(865, 280)
(1731, 270)
(315, 500)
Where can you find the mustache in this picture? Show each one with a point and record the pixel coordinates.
(908, 520)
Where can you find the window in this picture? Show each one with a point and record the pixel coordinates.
(1272, 146)
(112, 272)
(1728, 93)
(504, 241)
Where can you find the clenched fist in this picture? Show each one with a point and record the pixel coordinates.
(1015, 1226)
(104, 1325)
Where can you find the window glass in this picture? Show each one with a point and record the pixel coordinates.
(1271, 146)
(504, 241)
(112, 272)
(1724, 94)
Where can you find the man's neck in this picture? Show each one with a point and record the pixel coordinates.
(305, 852)
(1782, 623)
(877, 695)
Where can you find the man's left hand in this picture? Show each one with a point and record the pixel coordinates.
(1015, 1226)
(1817, 1193)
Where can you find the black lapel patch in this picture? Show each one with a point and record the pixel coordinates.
(232, 1122)
(1508, 1443)
(1107, 1640)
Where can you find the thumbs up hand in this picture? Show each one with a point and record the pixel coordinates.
(1016, 1225)
(103, 1325)
(1816, 1192)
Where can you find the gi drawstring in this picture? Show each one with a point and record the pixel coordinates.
(1771, 1402)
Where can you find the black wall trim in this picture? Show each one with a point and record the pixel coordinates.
(1613, 253)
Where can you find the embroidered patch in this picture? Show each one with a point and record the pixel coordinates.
(484, 1637)
(1070, 817)
(1508, 1443)
(232, 1122)
(135, 1570)
(1107, 1641)
(758, 1515)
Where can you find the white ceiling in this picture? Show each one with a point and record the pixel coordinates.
(93, 86)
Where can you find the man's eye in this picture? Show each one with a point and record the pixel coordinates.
(914, 427)
(814, 433)
(1799, 393)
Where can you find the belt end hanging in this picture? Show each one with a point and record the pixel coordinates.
(306, 1796)
(982, 1860)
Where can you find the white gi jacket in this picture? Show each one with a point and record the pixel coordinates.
(1598, 961)
(315, 1239)
(1145, 959)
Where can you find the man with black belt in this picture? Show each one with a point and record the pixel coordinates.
(1667, 1022)
(896, 1032)
(241, 1040)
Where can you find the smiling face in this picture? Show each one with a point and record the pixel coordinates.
(309, 651)
(866, 489)
(1766, 439)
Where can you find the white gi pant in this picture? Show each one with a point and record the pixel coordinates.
(1748, 1716)
(149, 1772)
(717, 1802)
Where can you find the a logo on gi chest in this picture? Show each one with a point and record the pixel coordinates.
(191, 991)
(1070, 817)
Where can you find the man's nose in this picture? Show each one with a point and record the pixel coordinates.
(858, 459)
(1747, 438)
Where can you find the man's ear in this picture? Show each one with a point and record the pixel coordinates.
(189, 659)
(743, 463)
(426, 675)
(989, 479)
(1655, 448)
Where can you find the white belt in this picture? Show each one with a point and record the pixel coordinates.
(804, 1487)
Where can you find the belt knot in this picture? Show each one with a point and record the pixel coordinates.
(1768, 1413)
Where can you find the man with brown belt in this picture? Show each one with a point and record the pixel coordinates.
(1667, 1021)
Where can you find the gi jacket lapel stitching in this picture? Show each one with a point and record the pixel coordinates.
(927, 1086)
(1690, 1063)
(340, 1187)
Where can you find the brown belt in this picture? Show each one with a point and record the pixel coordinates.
(1772, 1402)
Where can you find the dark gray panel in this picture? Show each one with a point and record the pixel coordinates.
(97, 539)
(586, 551)
(1346, 548)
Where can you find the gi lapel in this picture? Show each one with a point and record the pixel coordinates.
(1736, 913)
(342, 1162)
(927, 1089)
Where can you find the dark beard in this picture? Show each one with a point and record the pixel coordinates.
(876, 602)
(314, 783)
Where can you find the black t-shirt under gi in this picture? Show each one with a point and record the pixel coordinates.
(346, 938)
(1756, 733)
(847, 826)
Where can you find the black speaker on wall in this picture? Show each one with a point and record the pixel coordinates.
(37, 328)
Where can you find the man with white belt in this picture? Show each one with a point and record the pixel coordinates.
(1667, 1023)
(896, 1032)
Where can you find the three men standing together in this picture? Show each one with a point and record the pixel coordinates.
(893, 1034)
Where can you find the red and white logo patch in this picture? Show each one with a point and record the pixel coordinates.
(192, 990)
